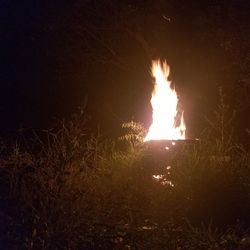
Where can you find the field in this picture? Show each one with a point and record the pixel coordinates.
(68, 188)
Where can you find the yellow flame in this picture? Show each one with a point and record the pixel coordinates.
(165, 122)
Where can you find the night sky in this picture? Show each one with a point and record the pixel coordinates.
(58, 55)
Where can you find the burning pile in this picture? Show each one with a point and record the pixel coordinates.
(167, 122)
(168, 126)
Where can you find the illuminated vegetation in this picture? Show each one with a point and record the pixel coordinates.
(69, 189)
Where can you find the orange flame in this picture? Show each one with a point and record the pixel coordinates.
(166, 124)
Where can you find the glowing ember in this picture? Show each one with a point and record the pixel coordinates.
(162, 179)
(168, 123)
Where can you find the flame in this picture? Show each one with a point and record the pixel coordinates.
(168, 123)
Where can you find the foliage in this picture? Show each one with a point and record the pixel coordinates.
(220, 127)
(81, 191)
(134, 134)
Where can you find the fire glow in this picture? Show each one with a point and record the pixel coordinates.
(167, 122)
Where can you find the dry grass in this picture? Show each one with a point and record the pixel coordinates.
(74, 190)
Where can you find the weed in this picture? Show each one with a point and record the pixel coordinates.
(76, 190)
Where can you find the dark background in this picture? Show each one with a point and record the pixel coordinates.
(58, 55)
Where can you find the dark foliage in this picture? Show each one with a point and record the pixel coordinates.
(85, 192)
